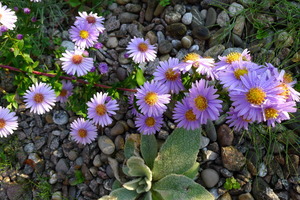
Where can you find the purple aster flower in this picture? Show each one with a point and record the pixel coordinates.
(103, 68)
(16, 9)
(3, 29)
(238, 122)
(8, 122)
(83, 132)
(204, 102)
(278, 112)
(184, 116)
(100, 108)
(40, 98)
(250, 99)
(19, 36)
(148, 125)
(226, 61)
(26, 10)
(202, 65)
(231, 78)
(8, 17)
(126, 55)
(166, 74)
(84, 35)
(98, 45)
(92, 18)
(131, 105)
(152, 98)
(65, 92)
(141, 50)
(75, 63)
(93, 69)
(33, 19)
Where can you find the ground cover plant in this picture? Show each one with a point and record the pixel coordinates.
(258, 93)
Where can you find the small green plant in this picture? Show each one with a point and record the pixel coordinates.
(231, 183)
(42, 186)
(79, 178)
(164, 175)
(164, 3)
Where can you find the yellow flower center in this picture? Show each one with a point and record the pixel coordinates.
(84, 34)
(143, 47)
(287, 78)
(286, 91)
(191, 57)
(150, 121)
(77, 59)
(101, 109)
(234, 56)
(38, 98)
(271, 113)
(151, 98)
(91, 19)
(0, 16)
(2, 123)
(171, 75)
(201, 103)
(63, 93)
(82, 133)
(240, 72)
(256, 96)
(190, 116)
(246, 120)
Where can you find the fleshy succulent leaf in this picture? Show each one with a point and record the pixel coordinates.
(132, 185)
(149, 149)
(124, 194)
(176, 186)
(137, 167)
(130, 148)
(148, 196)
(116, 184)
(174, 157)
(193, 171)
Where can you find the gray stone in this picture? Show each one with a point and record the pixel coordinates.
(283, 39)
(164, 47)
(57, 196)
(39, 143)
(60, 117)
(122, 2)
(68, 44)
(211, 17)
(72, 155)
(246, 196)
(225, 135)
(187, 18)
(106, 145)
(150, 10)
(119, 142)
(230, 50)
(62, 166)
(180, 8)
(97, 161)
(232, 159)
(86, 173)
(239, 25)
(133, 8)
(113, 163)
(210, 177)
(121, 73)
(197, 17)
(14, 191)
(214, 51)
(172, 17)
(29, 148)
(126, 17)
(53, 179)
(223, 19)
(187, 41)
(211, 130)
(152, 67)
(237, 41)
(235, 9)
(262, 170)
(204, 141)
(134, 31)
(201, 32)
(112, 24)
(226, 173)
(160, 37)
(194, 48)
(117, 129)
(54, 143)
(209, 155)
(176, 30)
(176, 44)
(112, 42)
(150, 35)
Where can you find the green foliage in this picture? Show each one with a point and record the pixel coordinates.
(79, 178)
(231, 183)
(43, 188)
(164, 3)
(173, 171)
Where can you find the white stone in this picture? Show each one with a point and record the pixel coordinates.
(69, 45)
(187, 18)
(223, 19)
(235, 9)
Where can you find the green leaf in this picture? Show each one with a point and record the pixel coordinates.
(137, 168)
(149, 149)
(140, 79)
(132, 185)
(129, 148)
(176, 186)
(106, 197)
(178, 154)
(193, 171)
(148, 196)
(74, 3)
(116, 184)
(123, 194)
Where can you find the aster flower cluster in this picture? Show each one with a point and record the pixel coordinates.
(85, 34)
(259, 93)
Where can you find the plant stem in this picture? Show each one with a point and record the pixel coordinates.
(66, 78)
